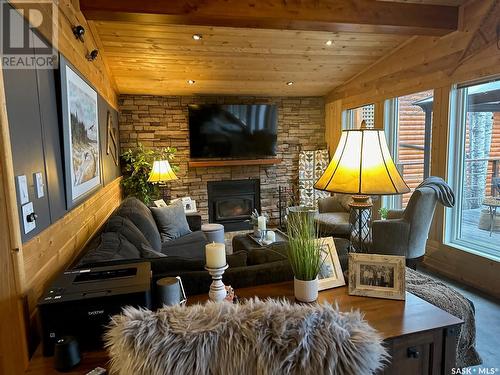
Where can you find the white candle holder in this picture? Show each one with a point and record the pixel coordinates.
(217, 291)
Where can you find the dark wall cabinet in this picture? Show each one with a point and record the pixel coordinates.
(33, 109)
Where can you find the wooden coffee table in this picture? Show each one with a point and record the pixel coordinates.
(420, 337)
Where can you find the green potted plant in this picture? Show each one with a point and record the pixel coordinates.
(383, 211)
(137, 164)
(304, 254)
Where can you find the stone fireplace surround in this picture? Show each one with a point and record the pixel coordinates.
(161, 121)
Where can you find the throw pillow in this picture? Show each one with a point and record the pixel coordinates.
(113, 246)
(138, 213)
(125, 227)
(171, 221)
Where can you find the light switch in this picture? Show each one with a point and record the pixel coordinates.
(29, 217)
(22, 187)
(39, 185)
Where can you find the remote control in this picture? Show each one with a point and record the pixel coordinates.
(97, 371)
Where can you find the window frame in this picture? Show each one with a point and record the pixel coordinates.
(348, 116)
(456, 173)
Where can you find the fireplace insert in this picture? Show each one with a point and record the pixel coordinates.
(232, 202)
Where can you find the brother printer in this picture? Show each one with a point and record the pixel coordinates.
(80, 302)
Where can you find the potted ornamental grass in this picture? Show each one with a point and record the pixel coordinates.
(304, 254)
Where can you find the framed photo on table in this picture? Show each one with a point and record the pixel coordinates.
(374, 275)
(188, 204)
(330, 274)
(160, 203)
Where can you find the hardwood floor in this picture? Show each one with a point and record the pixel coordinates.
(487, 320)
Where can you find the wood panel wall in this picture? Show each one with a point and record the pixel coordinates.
(26, 269)
(55, 248)
(426, 63)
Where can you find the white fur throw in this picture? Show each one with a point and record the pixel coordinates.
(257, 337)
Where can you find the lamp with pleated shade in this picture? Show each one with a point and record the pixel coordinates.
(162, 172)
(362, 166)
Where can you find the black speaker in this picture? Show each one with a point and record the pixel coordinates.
(66, 353)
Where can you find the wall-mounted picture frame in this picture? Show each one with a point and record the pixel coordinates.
(374, 275)
(81, 135)
(111, 139)
(330, 274)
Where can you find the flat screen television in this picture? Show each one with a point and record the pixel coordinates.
(235, 131)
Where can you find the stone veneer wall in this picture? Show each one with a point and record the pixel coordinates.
(161, 121)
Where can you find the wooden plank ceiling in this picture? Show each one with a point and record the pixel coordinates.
(253, 48)
(160, 59)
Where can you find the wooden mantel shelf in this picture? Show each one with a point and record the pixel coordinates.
(232, 162)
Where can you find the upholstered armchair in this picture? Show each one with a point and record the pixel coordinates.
(405, 232)
(333, 215)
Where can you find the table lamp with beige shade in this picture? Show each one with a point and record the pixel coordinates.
(161, 173)
(362, 166)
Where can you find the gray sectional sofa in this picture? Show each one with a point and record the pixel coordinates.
(131, 233)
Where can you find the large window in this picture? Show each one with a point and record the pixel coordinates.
(353, 117)
(474, 222)
(408, 124)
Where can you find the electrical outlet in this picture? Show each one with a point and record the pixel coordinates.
(22, 187)
(29, 217)
(39, 185)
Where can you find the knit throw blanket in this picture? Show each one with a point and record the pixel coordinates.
(443, 191)
(454, 303)
(257, 337)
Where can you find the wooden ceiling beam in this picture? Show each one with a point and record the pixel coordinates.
(318, 15)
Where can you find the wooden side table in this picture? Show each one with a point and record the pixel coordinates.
(420, 337)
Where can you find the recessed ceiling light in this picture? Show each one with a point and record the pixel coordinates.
(190, 81)
(197, 36)
(329, 42)
(289, 83)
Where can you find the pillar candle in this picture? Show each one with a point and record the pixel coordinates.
(261, 222)
(215, 255)
(270, 236)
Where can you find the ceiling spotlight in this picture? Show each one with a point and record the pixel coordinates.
(329, 42)
(190, 82)
(92, 55)
(289, 83)
(197, 36)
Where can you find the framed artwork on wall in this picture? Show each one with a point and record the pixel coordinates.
(81, 135)
(111, 139)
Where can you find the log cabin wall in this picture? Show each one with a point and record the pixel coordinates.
(429, 63)
(31, 266)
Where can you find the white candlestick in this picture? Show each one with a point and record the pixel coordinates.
(215, 255)
(261, 222)
(270, 236)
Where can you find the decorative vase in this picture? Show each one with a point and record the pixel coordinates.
(306, 291)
